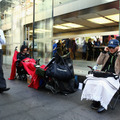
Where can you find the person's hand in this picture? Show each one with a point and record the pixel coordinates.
(118, 49)
(106, 49)
(26, 61)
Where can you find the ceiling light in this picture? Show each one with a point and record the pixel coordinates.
(72, 25)
(114, 17)
(100, 20)
(39, 31)
(60, 27)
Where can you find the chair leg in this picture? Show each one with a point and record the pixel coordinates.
(114, 105)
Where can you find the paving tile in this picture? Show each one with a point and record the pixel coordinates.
(24, 103)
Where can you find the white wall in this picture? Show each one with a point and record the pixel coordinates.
(78, 5)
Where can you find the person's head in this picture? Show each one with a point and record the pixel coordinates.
(89, 40)
(24, 49)
(98, 39)
(112, 36)
(113, 45)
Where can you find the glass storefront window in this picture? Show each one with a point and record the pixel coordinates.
(73, 28)
(43, 30)
(85, 33)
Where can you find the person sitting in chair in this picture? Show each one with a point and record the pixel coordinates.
(23, 63)
(23, 53)
(21, 56)
(99, 90)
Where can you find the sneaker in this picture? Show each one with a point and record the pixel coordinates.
(95, 105)
(101, 109)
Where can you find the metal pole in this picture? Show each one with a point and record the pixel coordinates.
(33, 26)
(52, 9)
(119, 18)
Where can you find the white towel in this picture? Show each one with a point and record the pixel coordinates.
(100, 89)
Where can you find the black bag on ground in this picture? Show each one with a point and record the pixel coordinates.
(61, 68)
(68, 87)
(58, 86)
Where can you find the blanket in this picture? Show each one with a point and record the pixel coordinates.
(36, 79)
(29, 67)
(100, 89)
(13, 67)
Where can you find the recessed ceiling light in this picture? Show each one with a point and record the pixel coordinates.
(60, 27)
(114, 17)
(72, 25)
(100, 20)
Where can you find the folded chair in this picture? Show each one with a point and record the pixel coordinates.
(115, 100)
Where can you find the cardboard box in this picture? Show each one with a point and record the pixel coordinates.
(29, 77)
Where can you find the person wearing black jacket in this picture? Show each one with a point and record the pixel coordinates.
(23, 53)
(21, 56)
(90, 49)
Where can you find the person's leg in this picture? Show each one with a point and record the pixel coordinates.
(95, 105)
(2, 80)
(74, 55)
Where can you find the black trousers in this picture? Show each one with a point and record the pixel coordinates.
(2, 79)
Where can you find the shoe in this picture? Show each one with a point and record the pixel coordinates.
(95, 105)
(4, 89)
(101, 109)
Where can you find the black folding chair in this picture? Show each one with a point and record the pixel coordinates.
(115, 99)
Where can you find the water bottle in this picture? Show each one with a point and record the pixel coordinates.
(95, 67)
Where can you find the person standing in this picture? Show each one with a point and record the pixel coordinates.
(97, 48)
(54, 49)
(84, 50)
(90, 49)
(74, 48)
(2, 79)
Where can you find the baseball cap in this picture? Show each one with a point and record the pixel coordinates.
(113, 43)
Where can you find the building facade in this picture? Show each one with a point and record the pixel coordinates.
(39, 23)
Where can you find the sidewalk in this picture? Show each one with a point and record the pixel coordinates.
(24, 103)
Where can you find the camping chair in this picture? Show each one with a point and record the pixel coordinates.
(115, 99)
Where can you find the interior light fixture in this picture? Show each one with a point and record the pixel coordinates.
(72, 25)
(40, 31)
(100, 20)
(60, 27)
(114, 17)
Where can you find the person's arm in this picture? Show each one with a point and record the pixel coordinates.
(119, 53)
(2, 37)
(19, 56)
(102, 56)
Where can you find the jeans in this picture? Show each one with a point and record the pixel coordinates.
(2, 79)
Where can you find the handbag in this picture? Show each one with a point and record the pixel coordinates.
(104, 74)
(59, 70)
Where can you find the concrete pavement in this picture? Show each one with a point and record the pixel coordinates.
(24, 103)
